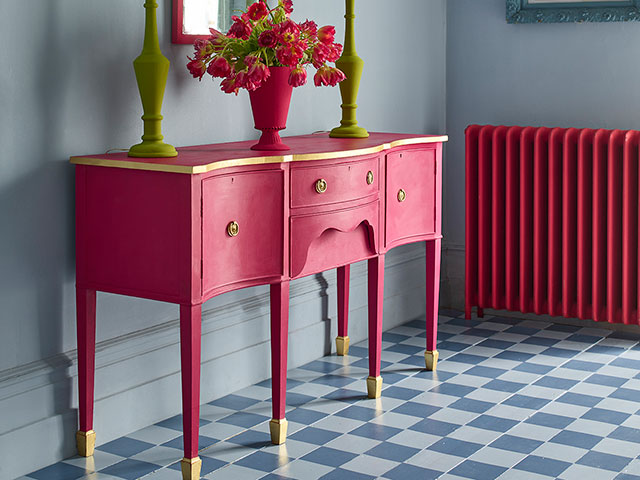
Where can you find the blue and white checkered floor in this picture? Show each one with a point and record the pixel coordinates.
(512, 399)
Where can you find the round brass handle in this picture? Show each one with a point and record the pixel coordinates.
(402, 195)
(321, 185)
(369, 177)
(233, 229)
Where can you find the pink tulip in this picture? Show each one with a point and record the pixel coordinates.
(327, 34)
(310, 28)
(288, 6)
(298, 77)
(257, 11)
(258, 73)
(229, 85)
(219, 67)
(328, 76)
(240, 28)
(268, 39)
(196, 67)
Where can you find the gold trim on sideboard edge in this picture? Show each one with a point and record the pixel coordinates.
(238, 162)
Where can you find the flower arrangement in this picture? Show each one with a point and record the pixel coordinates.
(264, 37)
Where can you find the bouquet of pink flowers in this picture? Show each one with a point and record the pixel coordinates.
(261, 38)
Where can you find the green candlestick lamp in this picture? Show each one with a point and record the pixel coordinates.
(351, 64)
(152, 69)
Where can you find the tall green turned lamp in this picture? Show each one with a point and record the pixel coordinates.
(152, 69)
(351, 64)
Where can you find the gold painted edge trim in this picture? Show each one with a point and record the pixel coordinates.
(238, 162)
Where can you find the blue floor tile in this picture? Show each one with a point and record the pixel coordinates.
(626, 363)
(453, 446)
(542, 466)
(519, 330)
(298, 399)
(530, 367)
(376, 431)
(406, 471)
(478, 470)
(606, 380)
(467, 358)
(392, 451)
(515, 356)
(482, 371)
(178, 443)
(130, 469)
(321, 366)
(452, 346)
(266, 462)
(587, 339)
(540, 341)
(405, 349)
(627, 434)
(244, 419)
(525, 401)
(329, 457)
(559, 327)
(606, 416)
(341, 474)
(576, 439)
(434, 427)
(497, 344)
(304, 416)
(516, 444)
(559, 352)
(359, 413)
(555, 382)
(452, 389)
(495, 424)
(347, 395)
(606, 350)
(175, 423)
(234, 402)
(415, 409)
(550, 420)
(395, 337)
(59, 471)
(338, 381)
(626, 394)
(127, 447)
(504, 386)
(401, 393)
(316, 436)
(471, 405)
(606, 461)
(582, 365)
(252, 439)
(580, 399)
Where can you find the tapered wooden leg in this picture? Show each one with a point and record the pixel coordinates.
(86, 328)
(433, 290)
(342, 340)
(376, 298)
(279, 341)
(190, 329)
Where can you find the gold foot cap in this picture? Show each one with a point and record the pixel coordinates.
(374, 387)
(86, 442)
(342, 345)
(278, 429)
(431, 359)
(191, 468)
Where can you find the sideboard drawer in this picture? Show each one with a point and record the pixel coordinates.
(340, 182)
(242, 227)
(342, 237)
(410, 194)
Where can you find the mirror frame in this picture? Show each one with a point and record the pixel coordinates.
(177, 36)
(559, 11)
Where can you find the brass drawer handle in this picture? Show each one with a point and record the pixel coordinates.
(233, 229)
(402, 195)
(369, 177)
(321, 185)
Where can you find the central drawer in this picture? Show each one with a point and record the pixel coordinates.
(334, 183)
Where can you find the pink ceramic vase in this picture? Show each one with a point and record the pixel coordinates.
(270, 105)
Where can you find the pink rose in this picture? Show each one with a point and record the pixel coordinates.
(257, 11)
(298, 77)
(197, 67)
(327, 34)
(219, 67)
(240, 28)
(268, 39)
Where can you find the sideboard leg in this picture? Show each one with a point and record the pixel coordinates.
(376, 299)
(279, 342)
(342, 340)
(86, 327)
(433, 291)
(190, 330)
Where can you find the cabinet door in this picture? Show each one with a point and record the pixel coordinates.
(242, 228)
(410, 195)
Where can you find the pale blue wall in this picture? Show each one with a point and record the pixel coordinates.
(67, 88)
(557, 74)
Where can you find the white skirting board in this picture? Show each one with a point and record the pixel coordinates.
(138, 375)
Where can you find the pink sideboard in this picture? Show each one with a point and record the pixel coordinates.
(222, 217)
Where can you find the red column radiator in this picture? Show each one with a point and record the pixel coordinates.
(552, 222)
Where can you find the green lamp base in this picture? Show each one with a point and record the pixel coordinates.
(353, 131)
(153, 150)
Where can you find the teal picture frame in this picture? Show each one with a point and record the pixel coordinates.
(558, 11)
